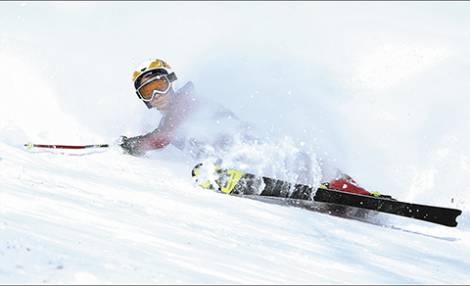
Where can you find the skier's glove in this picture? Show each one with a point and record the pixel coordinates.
(131, 145)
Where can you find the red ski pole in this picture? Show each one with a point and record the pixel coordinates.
(31, 145)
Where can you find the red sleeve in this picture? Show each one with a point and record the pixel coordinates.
(163, 135)
(170, 122)
(154, 141)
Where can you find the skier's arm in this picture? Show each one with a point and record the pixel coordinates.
(157, 139)
(138, 145)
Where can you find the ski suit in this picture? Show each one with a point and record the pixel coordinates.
(195, 125)
(203, 128)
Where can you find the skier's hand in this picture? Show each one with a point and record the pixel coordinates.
(131, 145)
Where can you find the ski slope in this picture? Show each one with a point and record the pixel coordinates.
(384, 99)
(108, 218)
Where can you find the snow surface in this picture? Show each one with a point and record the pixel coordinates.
(380, 88)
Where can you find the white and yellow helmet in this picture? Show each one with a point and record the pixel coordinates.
(151, 65)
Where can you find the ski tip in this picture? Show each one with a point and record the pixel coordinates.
(457, 214)
(196, 170)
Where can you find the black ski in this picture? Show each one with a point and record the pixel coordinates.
(439, 215)
(236, 182)
(278, 188)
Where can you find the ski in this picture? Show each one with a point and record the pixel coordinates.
(236, 182)
(342, 211)
(434, 214)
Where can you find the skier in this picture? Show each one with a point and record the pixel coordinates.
(189, 122)
(198, 126)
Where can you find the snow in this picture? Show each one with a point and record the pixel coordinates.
(384, 99)
(83, 219)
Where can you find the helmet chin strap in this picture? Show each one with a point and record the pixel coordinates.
(149, 106)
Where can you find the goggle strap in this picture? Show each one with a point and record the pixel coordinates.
(172, 77)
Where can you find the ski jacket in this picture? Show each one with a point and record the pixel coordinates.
(193, 124)
(181, 105)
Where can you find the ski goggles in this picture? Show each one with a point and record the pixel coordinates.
(159, 84)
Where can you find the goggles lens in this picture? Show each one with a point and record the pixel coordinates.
(159, 84)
